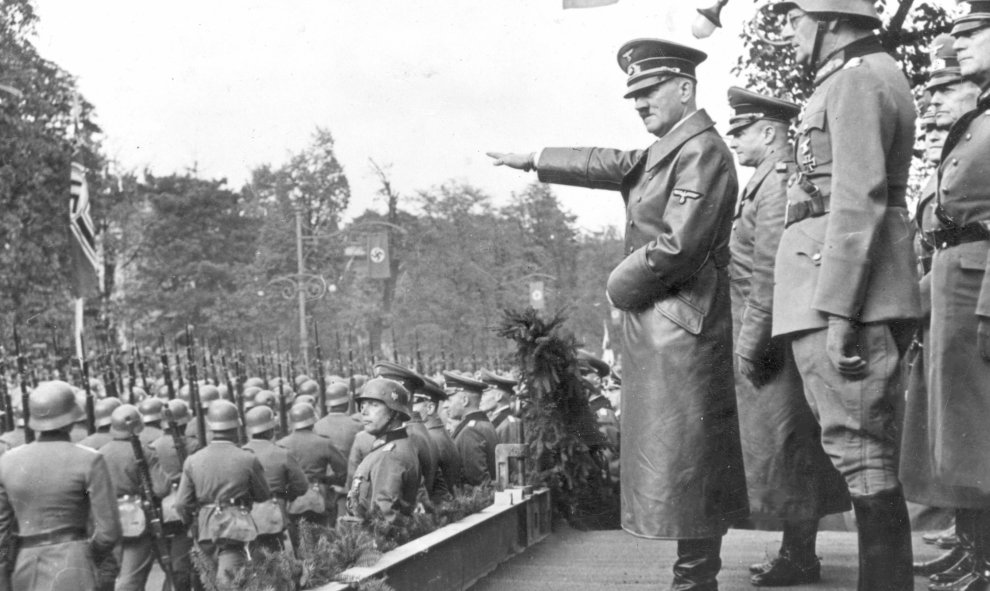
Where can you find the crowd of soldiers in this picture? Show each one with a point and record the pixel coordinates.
(766, 334)
(94, 499)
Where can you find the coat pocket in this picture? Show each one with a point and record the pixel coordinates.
(688, 306)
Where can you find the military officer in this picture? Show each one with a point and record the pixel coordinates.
(427, 401)
(286, 479)
(475, 436)
(681, 466)
(497, 402)
(136, 547)
(426, 449)
(101, 411)
(846, 287)
(959, 379)
(951, 97)
(320, 462)
(388, 478)
(50, 510)
(788, 475)
(219, 484)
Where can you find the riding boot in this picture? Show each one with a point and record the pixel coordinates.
(885, 557)
(796, 563)
(942, 563)
(697, 566)
(964, 531)
(978, 579)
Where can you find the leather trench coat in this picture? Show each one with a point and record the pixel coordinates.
(681, 464)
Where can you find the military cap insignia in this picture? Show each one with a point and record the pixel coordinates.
(628, 54)
(780, 167)
(682, 195)
(633, 69)
(395, 396)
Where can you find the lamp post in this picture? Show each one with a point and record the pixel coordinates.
(301, 294)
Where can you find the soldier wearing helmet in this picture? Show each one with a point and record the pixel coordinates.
(286, 479)
(219, 484)
(136, 549)
(475, 436)
(207, 394)
(340, 428)
(64, 516)
(426, 449)
(102, 411)
(319, 460)
(388, 478)
(845, 284)
(179, 543)
(151, 414)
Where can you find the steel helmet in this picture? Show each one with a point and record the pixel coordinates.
(179, 411)
(392, 394)
(208, 394)
(302, 415)
(863, 10)
(311, 387)
(338, 394)
(266, 398)
(222, 416)
(52, 405)
(125, 420)
(254, 382)
(151, 409)
(103, 409)
(260, 419)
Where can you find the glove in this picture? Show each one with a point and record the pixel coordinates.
(842, 347)
(983, 337)
(525, 162)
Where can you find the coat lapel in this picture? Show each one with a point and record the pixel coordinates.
(696, 123)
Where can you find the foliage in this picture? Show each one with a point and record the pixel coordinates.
(561, 431)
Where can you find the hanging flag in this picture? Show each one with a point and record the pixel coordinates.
(587, 3)
(379, 265)
(85, 262)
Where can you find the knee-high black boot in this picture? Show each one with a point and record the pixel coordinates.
(978, 579)
(964, 532)
(697, 565)
(885, 557)
(796, 564)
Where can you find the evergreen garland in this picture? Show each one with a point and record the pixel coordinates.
(567, 451)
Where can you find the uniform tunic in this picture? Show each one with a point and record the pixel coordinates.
(387, 479)
(340, 429)
(959, 382)
(426, 452)
(508, 427)
(285, 478)
(97, 440)
(788, 474)
(475, 440)
(681, 464)
(856, 261)
(362, 445)
(72, 493)
(317, 456)
(448, 458)
(220, 472)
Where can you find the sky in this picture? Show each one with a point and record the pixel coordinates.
(422, 87)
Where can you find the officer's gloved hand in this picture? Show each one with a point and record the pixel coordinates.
(983, 337)
(842, 347)
(525, 162)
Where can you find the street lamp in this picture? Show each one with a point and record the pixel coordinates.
(708, 20)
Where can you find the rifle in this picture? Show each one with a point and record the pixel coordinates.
(283, 414)
(90, 404)
(141, 372)
(340, 354)
(131, 379)
(25, 395)
(178, 370)
(236, 394)
(5, 401)
(166, 370)
(177, 439)
(152, 511)
(194, 389)
(419, 354)
(321, 375)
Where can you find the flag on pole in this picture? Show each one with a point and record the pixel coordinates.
(379, 265)
(587, 3)
(85, 262)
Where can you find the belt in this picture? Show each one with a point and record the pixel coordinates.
(816, 205)
(53, 537)
(949, 237)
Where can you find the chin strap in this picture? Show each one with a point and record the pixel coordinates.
(816, 48)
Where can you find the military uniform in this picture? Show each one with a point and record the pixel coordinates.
(362, 445)
(219, 484)
(507, 425)
(448, 458)
(788, 475)
(320, 461)
(51, 510)
(340, 428)
(97, 440)
(12, 439)
(136, 550)
(426, 452)
(387, 480)
(286, 481)
(475, 439)
(179, 543)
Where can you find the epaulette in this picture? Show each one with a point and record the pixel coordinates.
(471, 423)
(389, 446)
(512, 419)
(603, 412)
(781, 167)
(853, 63)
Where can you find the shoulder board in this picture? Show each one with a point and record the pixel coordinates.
(512, 419)
(853, 63)
(389, 446)
(82, 447)
(472, 423)
(603, 412)
(780, 167)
